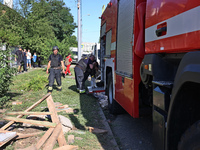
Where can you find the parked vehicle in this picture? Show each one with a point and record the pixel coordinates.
(86, 49)
(74, 51)
(150, 52)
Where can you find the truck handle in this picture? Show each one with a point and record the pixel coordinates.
(161, 31)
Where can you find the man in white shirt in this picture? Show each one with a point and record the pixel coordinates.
(28, 58)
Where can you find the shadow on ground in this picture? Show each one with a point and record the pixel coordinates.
(90, 110)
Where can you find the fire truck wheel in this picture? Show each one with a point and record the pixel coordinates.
(191, 138)
(113, 106)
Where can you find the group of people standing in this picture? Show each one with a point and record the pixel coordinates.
(23, 59)
(86, 66)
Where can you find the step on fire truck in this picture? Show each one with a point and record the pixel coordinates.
(151, 56)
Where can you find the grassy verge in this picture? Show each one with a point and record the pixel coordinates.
(85, 105)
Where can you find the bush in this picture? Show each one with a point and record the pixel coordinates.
(6, 75)
(35, 84)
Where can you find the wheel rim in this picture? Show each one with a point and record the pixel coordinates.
(110, 94)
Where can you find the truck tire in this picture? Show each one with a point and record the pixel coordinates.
(191, 138)
(113, 106)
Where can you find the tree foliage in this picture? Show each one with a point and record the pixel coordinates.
(25, 7)
(49, 23)
(6, 75)
(38, 25)
(39, 29)
(11, 26)
(61, 20)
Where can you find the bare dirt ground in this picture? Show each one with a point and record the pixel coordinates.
(22, 143)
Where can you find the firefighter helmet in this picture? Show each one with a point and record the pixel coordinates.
(54, 48)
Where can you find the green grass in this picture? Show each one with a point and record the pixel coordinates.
(85, 105)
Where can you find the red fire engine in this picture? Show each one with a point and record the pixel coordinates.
(150, 56)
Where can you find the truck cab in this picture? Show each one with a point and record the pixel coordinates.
(150, 56)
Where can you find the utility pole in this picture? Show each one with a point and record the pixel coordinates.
(79, 29)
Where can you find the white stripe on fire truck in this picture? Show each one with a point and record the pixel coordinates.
(186, 22)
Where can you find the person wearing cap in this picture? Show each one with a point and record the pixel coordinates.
(55, 64)
(82, 71)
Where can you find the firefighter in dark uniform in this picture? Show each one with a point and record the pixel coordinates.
(82, 71)
(55, 62)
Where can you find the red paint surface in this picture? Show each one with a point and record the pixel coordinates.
(176, 44)
(160, 10)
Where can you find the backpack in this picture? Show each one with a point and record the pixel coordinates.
(83, 62)
(67, 61)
